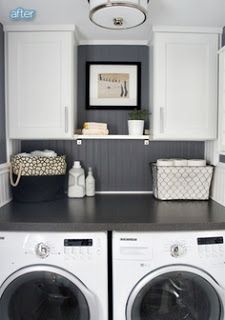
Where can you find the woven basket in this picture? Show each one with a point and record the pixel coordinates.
(38, 166)
(36, 179)
(182, 183)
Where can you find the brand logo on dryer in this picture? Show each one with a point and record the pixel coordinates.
(128, 239)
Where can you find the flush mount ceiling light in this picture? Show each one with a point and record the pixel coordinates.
(118, 14)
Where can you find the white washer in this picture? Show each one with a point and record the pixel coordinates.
(60, 276)
(169, 275)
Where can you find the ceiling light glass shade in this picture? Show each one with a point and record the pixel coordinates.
(118, 14)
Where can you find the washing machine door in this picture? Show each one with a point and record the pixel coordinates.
(176, 293)
(46, 293)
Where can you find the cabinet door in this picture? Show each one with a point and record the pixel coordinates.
(222, 102)
(40, 84)
(185, 86)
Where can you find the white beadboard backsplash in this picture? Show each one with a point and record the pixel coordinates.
(5, 194)
(218, 187)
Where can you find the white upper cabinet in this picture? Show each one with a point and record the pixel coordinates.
(184, 94)
(222, 101)
(40, 84)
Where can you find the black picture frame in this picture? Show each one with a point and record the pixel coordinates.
(91, 106)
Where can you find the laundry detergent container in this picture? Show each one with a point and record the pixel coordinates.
(37, 178)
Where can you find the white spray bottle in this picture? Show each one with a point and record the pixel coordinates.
(90, 183)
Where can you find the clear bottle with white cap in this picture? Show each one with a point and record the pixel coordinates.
(76, 184)
(90, 183)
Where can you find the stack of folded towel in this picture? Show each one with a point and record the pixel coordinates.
(95, 128)
(181, 163)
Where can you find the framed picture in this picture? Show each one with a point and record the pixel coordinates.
(113, 85)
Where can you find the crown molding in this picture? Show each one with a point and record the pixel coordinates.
(36, 27)
(187, 29)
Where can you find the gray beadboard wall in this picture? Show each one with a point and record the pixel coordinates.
(2, 100)
(222, 158)
(119, 165)
(116, 119)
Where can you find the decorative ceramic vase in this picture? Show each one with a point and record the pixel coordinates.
(135, 127)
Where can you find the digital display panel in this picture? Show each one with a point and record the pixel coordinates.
(211, 240)
(78, 242)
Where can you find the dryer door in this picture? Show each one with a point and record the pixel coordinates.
(176, 293)
(45, 292)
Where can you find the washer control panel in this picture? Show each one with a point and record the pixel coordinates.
(210, 247)
(69, 248)
(81, 249)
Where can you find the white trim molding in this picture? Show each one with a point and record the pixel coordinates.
(124, 192)
(184, 29)
(5, 193)
(36, 27)
(218, 186)
(114, 42)
(221, 50)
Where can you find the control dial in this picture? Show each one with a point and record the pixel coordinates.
(42, 250)
(177, 250)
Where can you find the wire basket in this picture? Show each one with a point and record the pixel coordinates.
(182, 183)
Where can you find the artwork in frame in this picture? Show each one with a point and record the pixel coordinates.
(113, 85)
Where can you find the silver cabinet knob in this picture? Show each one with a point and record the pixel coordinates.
(42, 250)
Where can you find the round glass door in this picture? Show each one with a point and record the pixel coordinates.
(175, 296)
(43, 295)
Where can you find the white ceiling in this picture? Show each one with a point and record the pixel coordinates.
(205, 13)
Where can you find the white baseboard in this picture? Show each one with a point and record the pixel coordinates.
(124, 192)
(5, 193)
(218, 187)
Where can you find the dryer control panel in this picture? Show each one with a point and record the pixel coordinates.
(210, 247)
(170, 247)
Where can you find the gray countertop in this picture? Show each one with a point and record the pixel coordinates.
(112, 212)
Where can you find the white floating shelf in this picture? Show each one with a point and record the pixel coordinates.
(111, 136)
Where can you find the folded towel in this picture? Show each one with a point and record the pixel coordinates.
(165, 162)
(101, 132)
(180, 162)
(196, 163)
(95, 125)
(45, 153)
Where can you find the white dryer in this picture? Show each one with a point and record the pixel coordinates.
(169, 275)
(53, 276)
